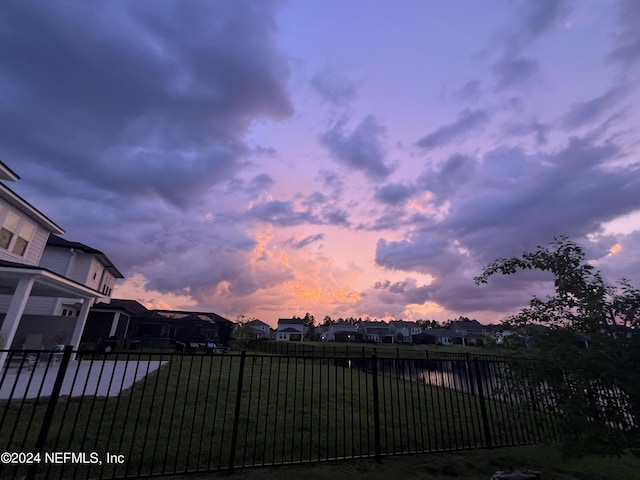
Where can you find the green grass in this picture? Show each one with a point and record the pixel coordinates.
(180, 417)
(463, 465)
(366, 349)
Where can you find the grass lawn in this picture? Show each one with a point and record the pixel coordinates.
(463, 465)
(366, 349)
(180, 418)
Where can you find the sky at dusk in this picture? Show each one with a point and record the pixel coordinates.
(342, 158)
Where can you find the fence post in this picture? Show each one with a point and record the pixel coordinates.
(51, 406)
(236, 415)
(376, 405)
(483, 405)
(467, 365)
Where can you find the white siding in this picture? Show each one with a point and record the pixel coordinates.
(94, 275)
(40, 306)
(109, 280)
(4, 255)
(36, 245)
(56, 259)
(80, 268)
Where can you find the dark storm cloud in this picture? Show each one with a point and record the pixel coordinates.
(281, 213)
(316, 198)
(392, 218)
(284, 214)
(362, 149)
(335, 216)
(532, 198)
(423, 253)
(468, 120)
(143, 102)
(394, 193)
(626, 50)
(451, 175)
(108, 108)
(512, 70)
(405, 292)
(305, 241)
(326, 208)
(260, 182)
(586, 112)
(335, 87)
(530, 20)
(469, 92)
(513, 202)
(533, 19)
(539, 130)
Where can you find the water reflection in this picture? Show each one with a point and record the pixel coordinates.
(458, 375)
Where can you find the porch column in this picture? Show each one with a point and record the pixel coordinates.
(114, 324)
(14, 314)
(87, 303)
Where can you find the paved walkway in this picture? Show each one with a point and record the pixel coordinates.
(101, 378)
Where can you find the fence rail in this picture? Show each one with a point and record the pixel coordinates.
(130, 415)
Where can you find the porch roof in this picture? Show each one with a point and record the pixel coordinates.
(46, 282)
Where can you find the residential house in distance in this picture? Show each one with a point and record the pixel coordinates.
(471, 332)
(377, 332)
(470, 327)
(263, 331)
(406, 330)
(129, 322)
(164, 327)
(30, 293)
(436, 336)
(111, 322)
(341, 332)
(290, 330)
(253, 330)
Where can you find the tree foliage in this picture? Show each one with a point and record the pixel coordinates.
(243, 329)
(589, 356)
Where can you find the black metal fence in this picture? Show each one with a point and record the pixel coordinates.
(124, 415)
(329, 349)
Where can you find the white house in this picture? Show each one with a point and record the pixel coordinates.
(261, 329)
(30, 291)
(81, 263)
(341, 332)
(406, 329)
(436, 336)
(375, 331)
(290, 330)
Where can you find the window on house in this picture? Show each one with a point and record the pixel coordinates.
(70, 311)
(15, 233)
(24, 237)
(9, 227)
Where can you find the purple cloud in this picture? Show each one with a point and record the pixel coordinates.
(362, 149)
